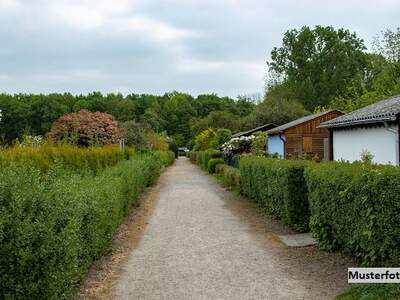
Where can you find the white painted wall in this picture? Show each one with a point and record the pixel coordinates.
(348, 144)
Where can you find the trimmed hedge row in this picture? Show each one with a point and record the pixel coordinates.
(353, 207)
(278, 186)
(356, 208)
(52, 224)
(72, 158)
(202, 157)
(212, 163)
(230, 175)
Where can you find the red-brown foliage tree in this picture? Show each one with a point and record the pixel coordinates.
(86, 129)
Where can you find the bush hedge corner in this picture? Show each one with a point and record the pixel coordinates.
(212, 163)
(278, 186)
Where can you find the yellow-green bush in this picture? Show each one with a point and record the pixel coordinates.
(72, 158)
(52, 224)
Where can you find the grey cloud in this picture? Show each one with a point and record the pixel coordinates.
(159, 46)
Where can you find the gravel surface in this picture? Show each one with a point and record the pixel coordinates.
(203, 242)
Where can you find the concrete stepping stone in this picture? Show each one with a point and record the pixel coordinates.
(298, 240)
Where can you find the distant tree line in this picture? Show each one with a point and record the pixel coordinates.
(314, 69)
(178, 115)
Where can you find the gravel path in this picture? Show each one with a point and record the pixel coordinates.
(202, 243)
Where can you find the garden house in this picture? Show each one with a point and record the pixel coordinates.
(302, 137)
(373, 129)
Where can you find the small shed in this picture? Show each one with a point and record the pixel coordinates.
(302, 137)
(374, 128)
(262, 128)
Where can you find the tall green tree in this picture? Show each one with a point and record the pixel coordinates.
(383, 78)
(317, 65)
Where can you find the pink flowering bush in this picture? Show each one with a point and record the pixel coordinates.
(85, 129)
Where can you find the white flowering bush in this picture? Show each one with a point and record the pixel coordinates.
(238, 145)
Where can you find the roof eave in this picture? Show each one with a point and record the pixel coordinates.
(358, 122)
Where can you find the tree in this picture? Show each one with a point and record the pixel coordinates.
(204, 139)
(216, 119)
(317, 65)
(43, 113)
(222, 135)
(177, 111)
(274, 110)
(383, 78)
(134, 134)
(86, 129)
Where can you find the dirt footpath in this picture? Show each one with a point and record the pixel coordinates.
(203, 242)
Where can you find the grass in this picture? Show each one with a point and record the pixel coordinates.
(371, 292)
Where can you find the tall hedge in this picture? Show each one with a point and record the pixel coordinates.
(52, 224)
(356, 208)
(279, 186)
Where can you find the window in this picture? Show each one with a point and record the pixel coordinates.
(307, 144)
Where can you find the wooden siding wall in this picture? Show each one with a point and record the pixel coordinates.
(294, 137)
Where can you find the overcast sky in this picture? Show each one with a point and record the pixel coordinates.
(149, 46)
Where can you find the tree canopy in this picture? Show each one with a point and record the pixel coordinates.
(316, 65)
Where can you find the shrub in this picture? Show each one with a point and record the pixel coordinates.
(278, 186)
(355, 207)
(165, 157)
(72, 158)
(259, 144)
(86, 129)
(205, 139)
(53, 224)
(205, 156)
(230, 175)
(232, 159)
(212, 163)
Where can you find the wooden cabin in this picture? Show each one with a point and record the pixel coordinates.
(302, 137)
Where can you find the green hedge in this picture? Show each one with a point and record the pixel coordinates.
(202, 157)
(52, 224)
(229, 175)
(212, 163)
(278, 186)
(356, 208)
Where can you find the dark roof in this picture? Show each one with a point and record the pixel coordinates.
(298, 122)
(382, 111)
(259, 128)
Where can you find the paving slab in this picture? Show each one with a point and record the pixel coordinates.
(298, 240)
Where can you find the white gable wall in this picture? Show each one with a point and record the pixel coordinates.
(348, 144)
